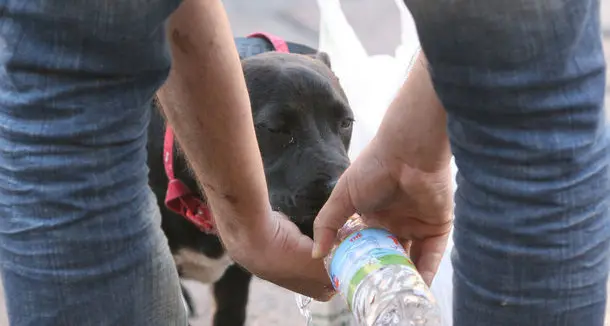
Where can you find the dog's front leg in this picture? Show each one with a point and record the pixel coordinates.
(231, 295)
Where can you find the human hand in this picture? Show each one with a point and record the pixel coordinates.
(279, 253)
(413, 204)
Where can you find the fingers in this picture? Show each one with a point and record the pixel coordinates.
(427, 255)
(314, 269)
(283, 257)
(331, 218)
(315, 282)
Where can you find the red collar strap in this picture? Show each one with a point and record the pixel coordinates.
(279, 44)
(179, 198)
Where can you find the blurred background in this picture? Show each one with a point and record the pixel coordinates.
(376, 22)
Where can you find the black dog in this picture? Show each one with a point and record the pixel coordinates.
(303, 125)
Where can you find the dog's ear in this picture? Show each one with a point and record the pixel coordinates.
(322, 56)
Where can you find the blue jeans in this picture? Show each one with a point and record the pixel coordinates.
(80, 237)
(523, 85)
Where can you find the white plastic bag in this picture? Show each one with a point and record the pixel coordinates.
(371, 83)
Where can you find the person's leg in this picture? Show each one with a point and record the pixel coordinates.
(523, 84)
(80, 237)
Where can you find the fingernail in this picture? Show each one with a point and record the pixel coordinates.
(316, 253)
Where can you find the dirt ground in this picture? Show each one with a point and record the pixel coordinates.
(297, 20)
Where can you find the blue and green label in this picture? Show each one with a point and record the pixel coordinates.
(362, 253)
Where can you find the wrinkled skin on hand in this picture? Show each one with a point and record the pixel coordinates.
(413, 204)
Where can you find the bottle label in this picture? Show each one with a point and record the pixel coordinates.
(362, 253)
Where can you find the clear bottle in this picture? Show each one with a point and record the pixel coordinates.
(372, 272)
(332, 313)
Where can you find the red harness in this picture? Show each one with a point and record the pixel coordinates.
(179, 198)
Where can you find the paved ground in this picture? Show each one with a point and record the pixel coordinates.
(375, 21)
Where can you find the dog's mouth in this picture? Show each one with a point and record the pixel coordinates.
(305, 225)
(296, 214)
(298, 205)
(302, 207)
(303, 219)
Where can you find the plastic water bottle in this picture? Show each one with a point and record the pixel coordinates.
(332, 313)
(372, 272)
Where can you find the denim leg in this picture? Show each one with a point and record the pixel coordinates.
(80, 237)
(523, 84)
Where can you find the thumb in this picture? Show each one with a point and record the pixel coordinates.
(331, 218)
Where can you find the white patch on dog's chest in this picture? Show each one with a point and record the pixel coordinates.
(197, 266)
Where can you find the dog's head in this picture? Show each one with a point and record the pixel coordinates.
(304, 125)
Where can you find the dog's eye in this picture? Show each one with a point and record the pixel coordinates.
(279, 135)
(347, 123)
(273, 130)
(278, 131)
